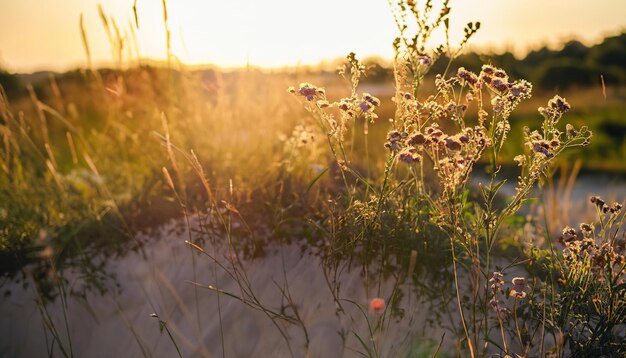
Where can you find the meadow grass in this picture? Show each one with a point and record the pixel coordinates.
(103, 154)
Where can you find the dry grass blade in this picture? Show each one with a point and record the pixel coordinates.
(83, 35)
(135, 13)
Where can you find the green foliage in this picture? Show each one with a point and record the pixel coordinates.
(10, 83)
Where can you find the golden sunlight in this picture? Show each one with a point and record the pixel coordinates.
(36, 35)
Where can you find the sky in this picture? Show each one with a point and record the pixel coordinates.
(45, 34)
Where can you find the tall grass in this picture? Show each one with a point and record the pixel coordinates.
(120, 150)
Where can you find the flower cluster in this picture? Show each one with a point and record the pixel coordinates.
(542, 146)
(495, 284)
(497, 80)
(557, 106)
(368, 102)
(582, 248)
(453, 155)
(309, 91)
(605, 208)
(395, 140)
(332, 122)
(506, 94)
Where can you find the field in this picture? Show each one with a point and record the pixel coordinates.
(428, 206)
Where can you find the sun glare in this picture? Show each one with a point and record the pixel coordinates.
(273, 33)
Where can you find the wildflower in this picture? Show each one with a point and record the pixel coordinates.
(368, 102)
(417, 139)
(496, 280)
(518, 287)
(453, 144)
(496, 284)
(586, 228)
(616, 207)
(520, 159)
(597, 200)
(554, 143)
(371, 99)
(424, 60)
(394, 139)
(542, 147)
(377, 304)
(499, 84)
(409, 156)
(434, 132)
(520, 89)
(467, 76)
(500, 73)
(344, 105)
(559, 104)
(496, 306)
(307, 90)
(568, 235)
(487, 69)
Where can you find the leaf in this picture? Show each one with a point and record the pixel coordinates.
(367, 349)
(494, 190)
(515, 219)
(464, 197)
(530, 201)
(316, 179)
(483, 191)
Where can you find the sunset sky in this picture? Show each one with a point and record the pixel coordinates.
(37, 34)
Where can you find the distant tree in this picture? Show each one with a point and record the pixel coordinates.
(537, 57)
(508, 62)
(564, 73)
(10, 83)
(610, 54)
(574, 50)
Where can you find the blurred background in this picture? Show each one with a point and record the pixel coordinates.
(109, 110)
(571, 47)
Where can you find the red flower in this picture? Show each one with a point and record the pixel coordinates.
(377, 304)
